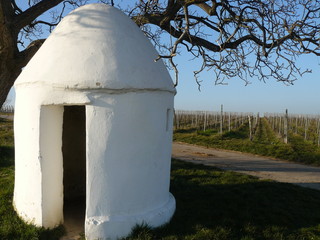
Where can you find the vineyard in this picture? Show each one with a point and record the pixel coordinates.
(285, 136)
(7, 109)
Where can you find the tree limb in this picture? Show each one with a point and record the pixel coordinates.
(33, 12)
(25, 55)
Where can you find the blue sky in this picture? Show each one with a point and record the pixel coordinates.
(273, 97)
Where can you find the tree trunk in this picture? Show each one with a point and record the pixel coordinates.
(9, 69)
(8, 50)
(11, 59)
(9, 66)
(6, 82)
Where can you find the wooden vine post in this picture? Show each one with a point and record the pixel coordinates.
(250, 128)
(318, 131)
(205, 121)
(221, 119)
(305, 128)
(285, 128)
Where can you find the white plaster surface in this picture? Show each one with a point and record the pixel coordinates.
(27, 192)
(97, 47)
(51, 162)
(98, 58)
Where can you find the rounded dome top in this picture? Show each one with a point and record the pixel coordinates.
(97, 47)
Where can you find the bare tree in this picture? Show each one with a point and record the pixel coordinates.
(18, 27)
(234, 38)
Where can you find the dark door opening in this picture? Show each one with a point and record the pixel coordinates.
(74, 165)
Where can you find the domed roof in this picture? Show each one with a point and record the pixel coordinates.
(97, 47)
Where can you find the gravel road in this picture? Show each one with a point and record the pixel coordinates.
(6, 116)
(262, 167)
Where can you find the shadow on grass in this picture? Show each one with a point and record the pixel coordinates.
(211, 204)
(188, 130)
(6, 156)
(214, 204)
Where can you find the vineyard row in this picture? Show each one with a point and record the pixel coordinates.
(307, 126)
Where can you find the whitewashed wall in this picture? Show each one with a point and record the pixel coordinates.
(98, 58)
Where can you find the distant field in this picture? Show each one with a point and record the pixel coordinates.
(247, 133)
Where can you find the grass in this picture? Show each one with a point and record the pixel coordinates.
(265, 142)
(211, 204)
(6, 143)
(11, 226)
(215, 204)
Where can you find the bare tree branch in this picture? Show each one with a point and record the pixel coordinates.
(227, 33)
(28, 53)
(33, 12)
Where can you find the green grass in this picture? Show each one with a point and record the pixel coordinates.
(211, 204)
(265, 142)
(6, 142)
(11, 226)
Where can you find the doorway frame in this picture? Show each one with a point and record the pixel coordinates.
(51, 163)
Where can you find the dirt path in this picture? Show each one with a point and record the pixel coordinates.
(262, 167)
(6, 116)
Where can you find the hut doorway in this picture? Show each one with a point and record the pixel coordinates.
(74, 166)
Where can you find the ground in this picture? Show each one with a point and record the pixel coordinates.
(262, 167)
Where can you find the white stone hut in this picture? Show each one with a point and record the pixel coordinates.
(93, 118)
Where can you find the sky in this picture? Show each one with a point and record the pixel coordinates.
(271, 97)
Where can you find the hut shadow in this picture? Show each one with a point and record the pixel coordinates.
(6, 156)
(235, 206)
